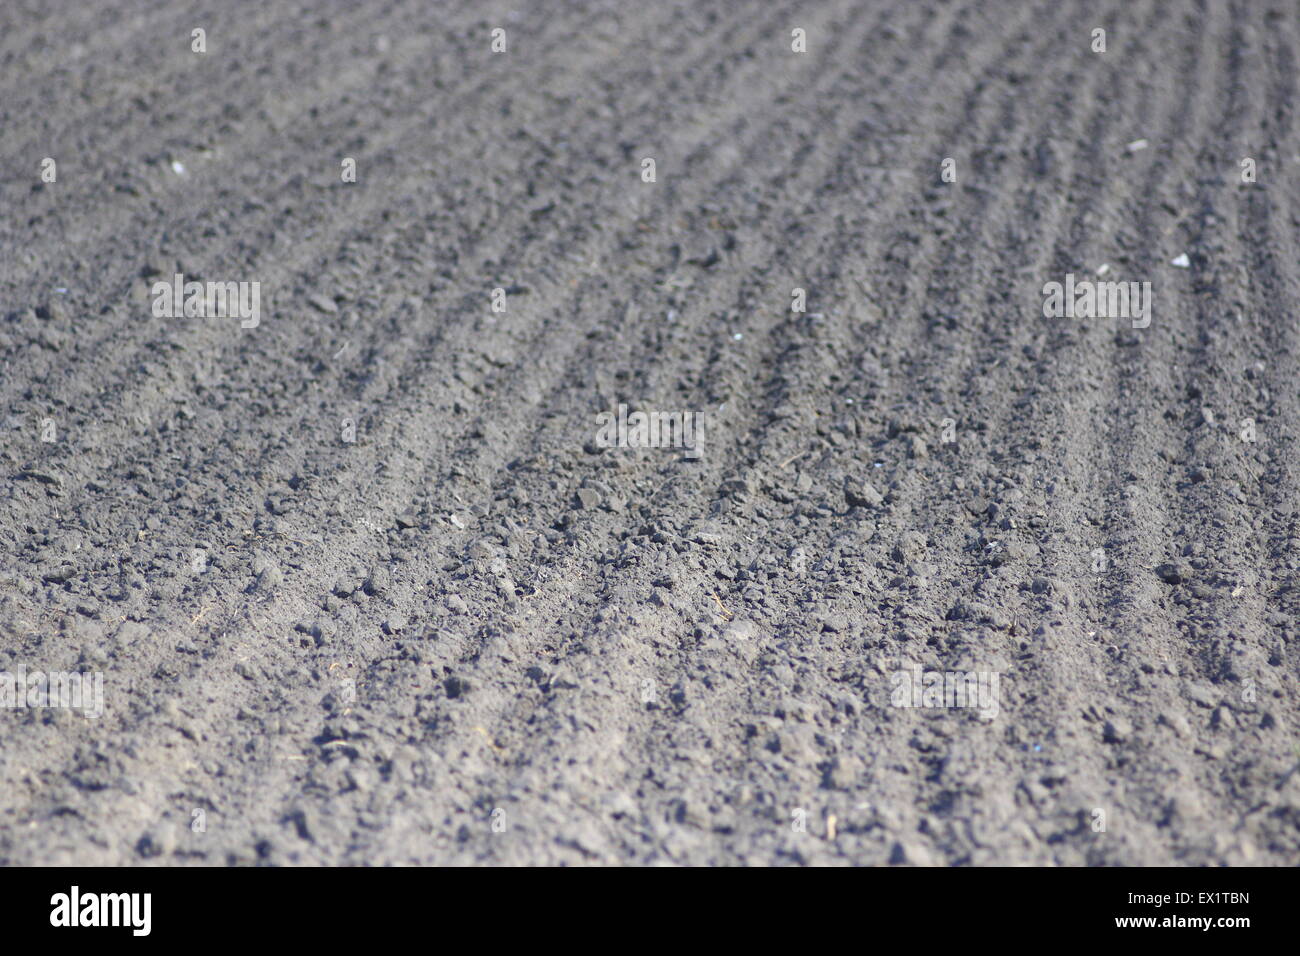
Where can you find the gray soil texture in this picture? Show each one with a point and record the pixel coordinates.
(363, 583)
